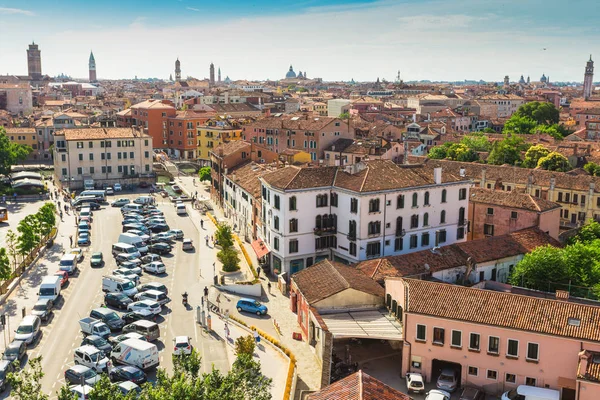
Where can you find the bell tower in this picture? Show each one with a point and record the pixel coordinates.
(177, 70)
(588, 79)
(92, 67)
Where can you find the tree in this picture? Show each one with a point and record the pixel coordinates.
(519, 124)
(476, 141)
(224, 236)
(204, 174)
(28, 239)
(543, 113)
(65, 394)
(554, 162)
(592, 168)
(438, 152)
(5, 270)
(26, 383)
(344, 115)
(460, 152)
(587, 233)
(557, 131)
(534, 154)
(10, 153)
(247, 381)
(506, 151)
(46, 217)
(488, 130)
(245, 345)
(229, 258)
(188, 364)
(104, 389)
(11, 243)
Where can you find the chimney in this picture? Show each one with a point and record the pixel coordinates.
(584, 356)
(483, 178)
(462, 172)
(562, 295)
(437, 175)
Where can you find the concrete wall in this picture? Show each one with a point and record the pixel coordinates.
(349, 298)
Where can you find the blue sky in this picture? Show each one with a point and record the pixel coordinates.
(332, 39)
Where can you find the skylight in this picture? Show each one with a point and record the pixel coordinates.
(574, 321)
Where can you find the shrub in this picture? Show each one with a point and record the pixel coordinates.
(245, 345)
(229, 258)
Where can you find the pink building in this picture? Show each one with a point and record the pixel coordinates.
(498, 340)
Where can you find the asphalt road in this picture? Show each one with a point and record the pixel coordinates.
(185, 272)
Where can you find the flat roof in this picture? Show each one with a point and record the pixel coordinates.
(369, 324)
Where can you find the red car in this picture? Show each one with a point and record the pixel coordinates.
(64, 277)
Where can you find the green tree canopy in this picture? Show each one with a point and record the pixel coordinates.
(438, 152)
(592, 168)
(5, 269)
(519, 124)
(534, 154)
(543, 113)
(476, 141)
(554, 162)
(228, 256)
(204, 174)
(11, 153)
(507, 151)
(25, 384)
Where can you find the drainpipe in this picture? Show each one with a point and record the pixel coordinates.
(384, 212)
(405, 323)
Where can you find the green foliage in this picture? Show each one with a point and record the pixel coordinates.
(454, 151)
(507, 151)
(189, 365)
(543, 113)
(245, 345)
(592, 168)
(5, 270)
(26, 383)
(302, 90)
(476, 141)
(488, 130)
(204, 174)
(224, 236)
(556, 131)
(46, 217)
(65, 394)
(438, 152)
(519, 124)
(344, 115)
(11, 244)
(533, 155)
(11, 153)
(29, 238)
(104, 389)
(229, 258)
(554, 162)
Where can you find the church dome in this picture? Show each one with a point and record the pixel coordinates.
(543, 78)
(290, 74)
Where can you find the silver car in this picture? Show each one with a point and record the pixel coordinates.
(447, 380)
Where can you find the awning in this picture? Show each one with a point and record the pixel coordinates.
(260, 248)
(371, 324)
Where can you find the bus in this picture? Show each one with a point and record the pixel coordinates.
(3, 214)
(100, 195)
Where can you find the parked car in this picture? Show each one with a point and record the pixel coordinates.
(437, 395)
(177, 233)
(110, 190)
(91, 205)
(124, 336)
(124, 257)
(133, 316)
(127, 274)
(117, 300)
(98, 342)
(43, 309)
(127, 373)
(251, 306)
(155, 267)
(128, 387)
(158, 227)
(165, 237)
(447, 380)
(159, 248)
(414, 383)
(117, 187)
(150, 305)
(97, 259)
(132, 267)
(15, 351)
(148, 258)
(91, 357)
(83, 239)
(78, 252)
(5, 368)
(187, 245)
(472, 393)
(182, 346)
(64, 277)
(120, 202)
(78, 373)
(153, 286)
(109, 317)
(80, 392)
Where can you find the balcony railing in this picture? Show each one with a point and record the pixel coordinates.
(400, 232)
(330, 230)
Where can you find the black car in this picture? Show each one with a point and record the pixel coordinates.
(78, 373)
(133, 316)
(98, 342)
(109, 317)
(118, 300)
(159, 248)
(127, 373)
(154, 239)
(15, 351)
(92, 205)
(158, 228)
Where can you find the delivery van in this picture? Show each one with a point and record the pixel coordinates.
(111, 283)
(68, 263)
(524, 392)
(134, 240)
(137, 353)
(124, 248)
(50, 288)
(181, 210)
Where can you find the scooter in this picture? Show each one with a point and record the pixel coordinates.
(184, 299)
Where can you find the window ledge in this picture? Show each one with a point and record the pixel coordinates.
(437, 344)
(493, 354)
(421, 340)
(456, 347)
(512, 357)
(529, 360)
(474, 351)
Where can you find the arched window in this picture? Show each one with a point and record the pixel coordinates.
(400, 201)
(426, 219)
(388, 300)
(444, 196)
(426, 199)
(414, 221)
(318, 222)
(415, 200)
(443, 217)
(293, 203)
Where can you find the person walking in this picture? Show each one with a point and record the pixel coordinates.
(256, 336)
(226, 330)
(258, 272)
(206, 292)
(71, 240)
(206, 239)
(202, 223)
(269, 286)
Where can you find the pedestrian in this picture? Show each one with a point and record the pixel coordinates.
(4, 199)
(202, 299)
(202, 223)
(15, 197)
(71, 240)
(257, 272)
(206, 292)
(256, 336)
(269, 286)
(206, 238)
(227, 331)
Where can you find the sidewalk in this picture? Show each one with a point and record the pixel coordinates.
(309, 369)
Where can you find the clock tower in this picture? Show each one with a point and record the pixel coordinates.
(177, 70)
(588, 78)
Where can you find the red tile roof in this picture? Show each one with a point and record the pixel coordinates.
(358, 386)
(512, 199)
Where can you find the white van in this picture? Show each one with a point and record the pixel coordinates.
(91, 357)
(524, 392)
(181, 210)
(29, 329)
(111, 283)
(134, 240)
(131, 207)
(85, 212)
(98, 194)
(137, 353)
(124, 248)
(50, 288)
(144, 200)
(68, 263)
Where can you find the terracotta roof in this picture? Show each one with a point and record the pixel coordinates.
(225, 149)
(100, 133)
(502, 309)
(19, 130)
(293, 177)
(590, 361)
(326, 278)
(358, 386)
(246, 176)
(302, 123)
(233, 107)
(512, 199)
(153, 104)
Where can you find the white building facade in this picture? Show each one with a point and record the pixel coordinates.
(368, 210)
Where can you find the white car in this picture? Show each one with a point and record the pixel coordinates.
(437, 394)
(415, 382)
(109, 190)
(117, 187)
(182, 346)
(187, 244)
(78, 252)
(177, 233)
(127, 274)
(92, 358)
(150, 305)
(82, 392)
(132, 268)
(155, 267)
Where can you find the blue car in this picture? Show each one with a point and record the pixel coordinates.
(83, 239)
(251, 306)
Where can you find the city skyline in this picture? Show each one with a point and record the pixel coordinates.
(360, 40)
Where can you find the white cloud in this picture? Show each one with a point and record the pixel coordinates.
(137, 23)
(13, 11)
(192, 9)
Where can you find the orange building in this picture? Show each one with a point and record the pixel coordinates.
(151, 115)
(182, 134)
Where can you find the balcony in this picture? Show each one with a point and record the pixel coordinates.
(351, 236)
(330, 230)
(400, 232)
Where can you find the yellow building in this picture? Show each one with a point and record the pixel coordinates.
(25, 136)
(320, 109)
(215, 132)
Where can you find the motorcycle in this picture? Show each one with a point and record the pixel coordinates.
(184, 299)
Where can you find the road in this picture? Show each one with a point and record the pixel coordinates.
(185, 272)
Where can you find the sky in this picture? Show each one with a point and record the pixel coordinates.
(447, 40)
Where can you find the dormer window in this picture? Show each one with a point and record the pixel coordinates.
(574, 322)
